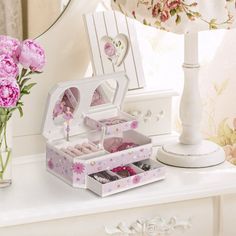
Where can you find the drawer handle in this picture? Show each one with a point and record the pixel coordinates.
(157, 226)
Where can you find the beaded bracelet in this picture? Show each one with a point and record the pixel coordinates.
(124, 171)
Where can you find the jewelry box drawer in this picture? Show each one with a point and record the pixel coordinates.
(114, 121)
(110, 181)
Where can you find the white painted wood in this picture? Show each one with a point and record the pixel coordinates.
(101, 31)
(111, 24)
(228, 215)
(38, 196)
(95, 52)
(188, 216)
(112, 32)
(191, 150)
(190, 105)
(153, 110)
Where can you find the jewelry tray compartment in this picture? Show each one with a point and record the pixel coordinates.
(114, 120)
(118, 184)
(73, 170)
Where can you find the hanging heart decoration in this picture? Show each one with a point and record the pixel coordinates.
(115, 49)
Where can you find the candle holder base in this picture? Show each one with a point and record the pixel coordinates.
(200, 155)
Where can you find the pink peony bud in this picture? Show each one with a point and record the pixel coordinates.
(31, 55)
(8, 68)
(9, 46)
(9, 92)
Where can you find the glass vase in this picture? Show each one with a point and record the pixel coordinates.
(5, 153)
(5, 168)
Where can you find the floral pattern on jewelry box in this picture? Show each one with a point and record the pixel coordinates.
(175, 15)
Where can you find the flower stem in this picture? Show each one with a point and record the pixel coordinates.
(5, 136)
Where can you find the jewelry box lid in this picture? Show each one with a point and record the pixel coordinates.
(72, 100)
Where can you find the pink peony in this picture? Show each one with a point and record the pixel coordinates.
(109, 49)
(31, 55)
(8, 68)
(9, 92)
(9, 46)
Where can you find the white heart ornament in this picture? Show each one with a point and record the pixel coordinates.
(115, 49)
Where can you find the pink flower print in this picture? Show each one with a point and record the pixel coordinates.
(9, 92)
(136, 179)
(78, 168)
(134, 125)
(109, 49)
(156, 10)
(164, 16)
(50, 164)
(172, 4)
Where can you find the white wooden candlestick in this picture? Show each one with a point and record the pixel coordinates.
(191, 150)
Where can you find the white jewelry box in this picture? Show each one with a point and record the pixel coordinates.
(115, 146)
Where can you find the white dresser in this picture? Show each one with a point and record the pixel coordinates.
(189, 202)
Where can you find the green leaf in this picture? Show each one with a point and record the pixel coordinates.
(190, 16)
(25, 92)
(29, 86)
(36, 72)
(172, 12)
(20, 111)
(23, 72)
(23, 82)
(178, 19)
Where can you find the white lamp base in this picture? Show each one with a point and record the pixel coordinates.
(204, 154)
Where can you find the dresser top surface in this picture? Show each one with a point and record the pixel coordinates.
(36, 195)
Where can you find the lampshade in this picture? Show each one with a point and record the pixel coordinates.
(181, 16)
(186, 17)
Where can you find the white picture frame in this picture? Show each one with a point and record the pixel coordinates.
(112, 24)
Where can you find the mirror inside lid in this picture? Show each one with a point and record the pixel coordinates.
(69, 102)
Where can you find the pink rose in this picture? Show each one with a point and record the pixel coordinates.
(31, 55)
(9, 92)
(9, 46)
(8, 68)
(109, 49)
